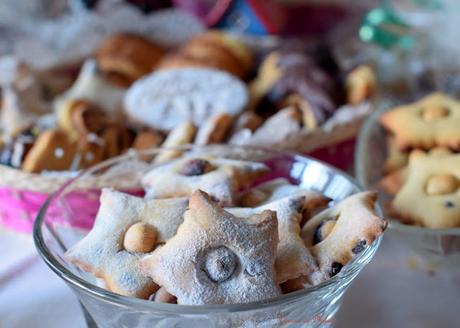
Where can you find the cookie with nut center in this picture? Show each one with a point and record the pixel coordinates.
(126, 229)
(430, 196)
(430, 122)
(441, 184)
(140, 238)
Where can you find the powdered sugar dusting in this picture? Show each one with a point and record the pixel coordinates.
(293, 259)
(176, 266)
(101, 251)
(222, 183)
(167, 98)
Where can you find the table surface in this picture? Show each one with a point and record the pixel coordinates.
(388, 293)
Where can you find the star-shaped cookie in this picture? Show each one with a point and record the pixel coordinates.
(126, 228)
(276, 189)
(221, 178)
(293, 259)
(432, 121)
(216, 257)
(430, 195)
(337, 234)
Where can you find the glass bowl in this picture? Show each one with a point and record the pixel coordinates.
(436, 249)
(312, 307)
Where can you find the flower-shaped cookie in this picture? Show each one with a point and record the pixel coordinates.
(337, 234)
(219, 177)
(126, 228)
(217, 258)
(293, 259)
(431, 194)
(432, 121)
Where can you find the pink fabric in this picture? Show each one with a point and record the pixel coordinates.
(19, 208)
(340, 155)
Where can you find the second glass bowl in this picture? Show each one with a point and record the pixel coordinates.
(435, 248)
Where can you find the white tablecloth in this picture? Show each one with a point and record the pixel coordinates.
(388, 293)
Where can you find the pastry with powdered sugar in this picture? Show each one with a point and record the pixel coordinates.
(220, 177)
(216, 257)
(293, 259)
(127, 228)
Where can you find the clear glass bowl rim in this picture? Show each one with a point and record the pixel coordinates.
(140, 304)
(360, 156)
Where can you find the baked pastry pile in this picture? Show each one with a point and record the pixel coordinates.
(206, 233)
(422, 171)
(134, 94)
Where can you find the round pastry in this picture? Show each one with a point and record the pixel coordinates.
(126, 57)
(212, 49)
(167, 98)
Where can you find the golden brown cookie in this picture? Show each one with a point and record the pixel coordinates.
(181, 135)
(360, 84)
(430, 122)
(396, 159)
(81, 117)
(214, 130)
(247, 120)
(91, 150)
(430, 196)
(126, 57)
(216, 257)
(53, 151)
(213, 49)
(235, 46)
(393, 181)
(309, 120)
(126, 229)
(147, 139)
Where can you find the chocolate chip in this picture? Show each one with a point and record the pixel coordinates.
(360, 245)
(195, 167)
(335, 268)
(449, 204)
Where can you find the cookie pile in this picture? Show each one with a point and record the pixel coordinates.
(84, 125)
(423, 165)
(132, 93)
(204, 234)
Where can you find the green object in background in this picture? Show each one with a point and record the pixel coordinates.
(383, 27)
(429, 4)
